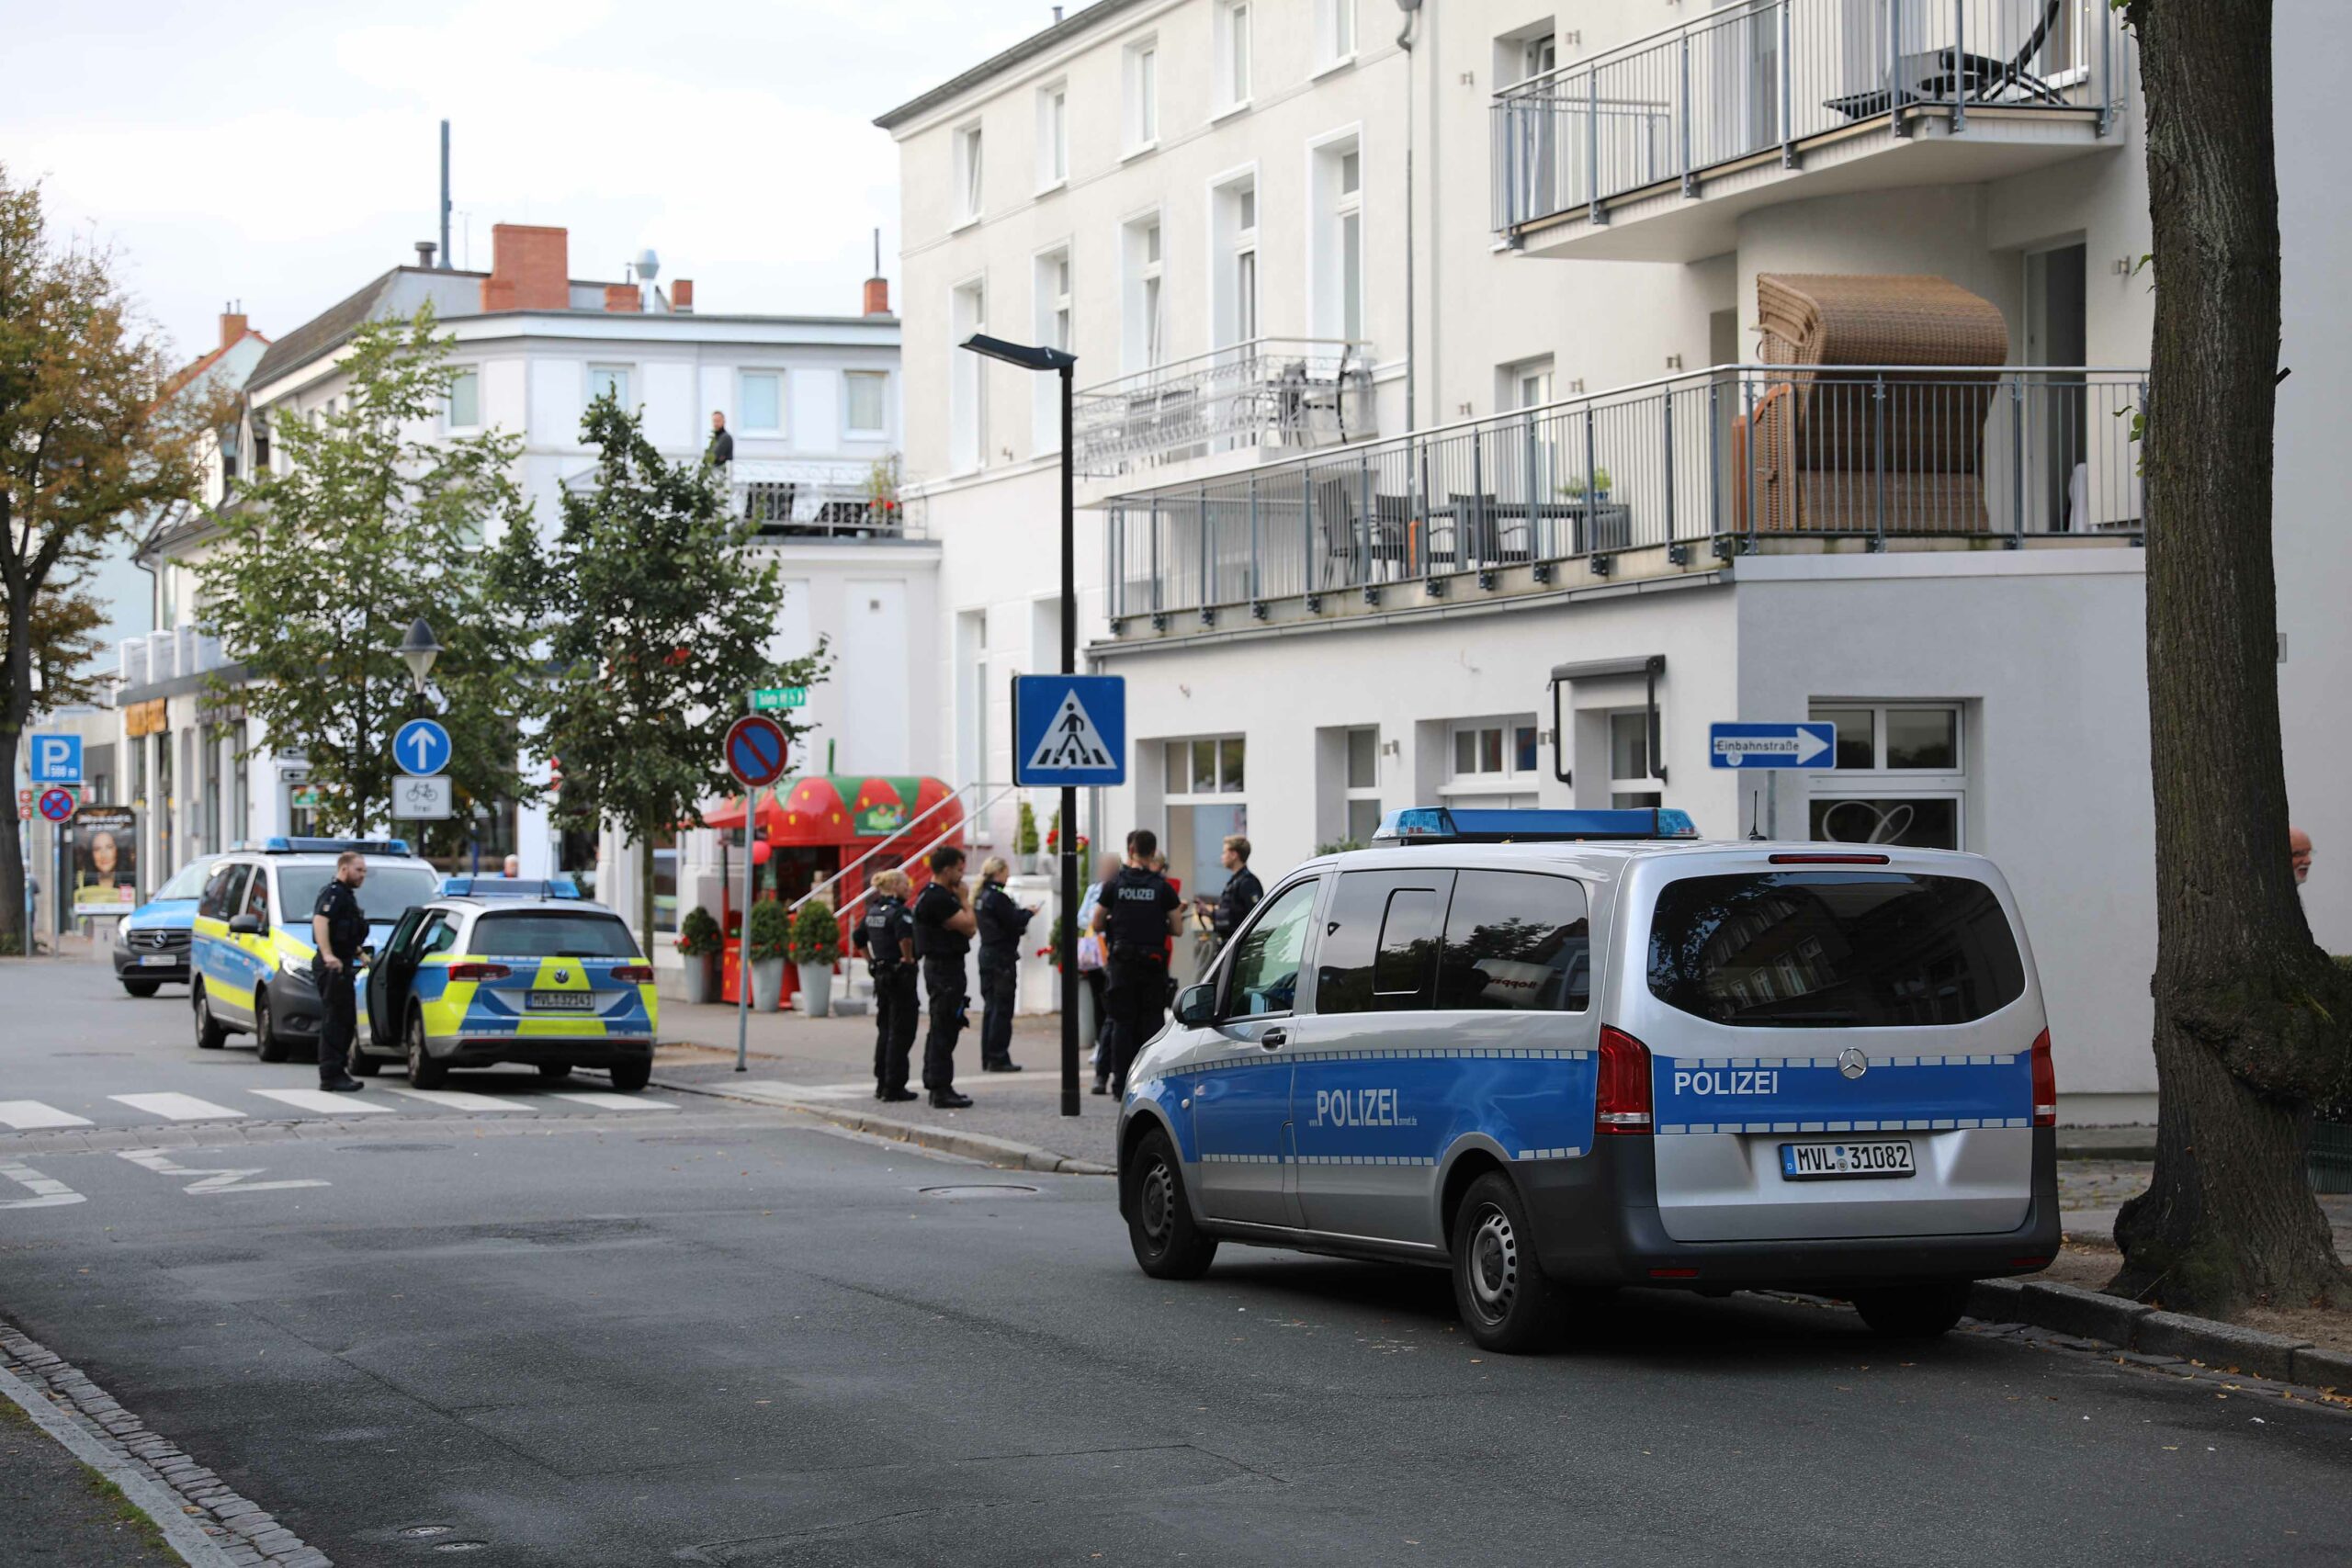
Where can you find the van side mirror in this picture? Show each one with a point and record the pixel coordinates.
(247, 924)
(1197, 1007)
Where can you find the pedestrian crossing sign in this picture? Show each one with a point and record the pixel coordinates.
(1070, 730)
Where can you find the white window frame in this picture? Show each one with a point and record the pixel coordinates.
(1351, 794)
(1236, 276)
(1511, 779)
(851, 429)
(1053, 137)
(1139, 113)
(1328, 213)
(1143, 337)
(968, 381)
(782, 399)
(627, 375)
(1880, 782)
(1052, 282)
(468, 373)
(1220, 796)
(970, 151)
(1233, 61)
(1335, 34)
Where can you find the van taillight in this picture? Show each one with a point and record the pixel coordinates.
(2045, 1083)
(1623, 1103)
(479, 972)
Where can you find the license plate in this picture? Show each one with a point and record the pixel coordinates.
(564, 1001)
(159, 960)
(1823, 1162)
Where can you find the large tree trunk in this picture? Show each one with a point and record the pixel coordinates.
(2244, 1039)
(12, 860)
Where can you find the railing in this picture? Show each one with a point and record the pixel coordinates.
(1719, 460)
(814, 500)
(1265, 393)
(1772, 74)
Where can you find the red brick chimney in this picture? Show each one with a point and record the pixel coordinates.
(623, 298)
(233, 327)
(681, 296)
(530, 270)
(877, 295)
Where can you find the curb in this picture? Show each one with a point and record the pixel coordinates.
(1005, 1153)
(2132, 1326)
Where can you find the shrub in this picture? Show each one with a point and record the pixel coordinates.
(698, 935)
(771, 929)
(816, 935)
(1025, 839)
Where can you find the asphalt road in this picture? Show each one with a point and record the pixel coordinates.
(720, 1334)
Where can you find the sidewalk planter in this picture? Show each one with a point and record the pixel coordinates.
(2330, 1161)
(771, 932)
(816, 997)
(698, 987)
(815, 941)
(699, 944)
(767, 984)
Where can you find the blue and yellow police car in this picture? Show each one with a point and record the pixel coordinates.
(1558, 1050)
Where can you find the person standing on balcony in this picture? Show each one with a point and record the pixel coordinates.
(721, 450)
(1001, 922)
(944, 931)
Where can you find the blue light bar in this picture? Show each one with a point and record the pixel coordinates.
(1439, 824)
(279, 844)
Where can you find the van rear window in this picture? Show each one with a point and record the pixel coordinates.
(1826, 949)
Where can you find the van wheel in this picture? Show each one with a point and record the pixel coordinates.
(631, 1076)
(424, 1070)
(268, 1044)
(1168, 1244)
(1499, 1287)
(209, 1036)
(1912, 1312)
(140, 988)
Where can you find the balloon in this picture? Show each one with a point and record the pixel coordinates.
(761, 852)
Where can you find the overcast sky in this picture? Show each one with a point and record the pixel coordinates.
(284, 154)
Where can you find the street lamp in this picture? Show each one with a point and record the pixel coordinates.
(1063, 362)
(418, 650)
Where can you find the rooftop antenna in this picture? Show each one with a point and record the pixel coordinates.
(444, 195)
(878, 253)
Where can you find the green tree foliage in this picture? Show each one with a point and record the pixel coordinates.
(656, 611)
(365, 525)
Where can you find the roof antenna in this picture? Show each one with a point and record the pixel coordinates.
(878, 253)
(444, 195)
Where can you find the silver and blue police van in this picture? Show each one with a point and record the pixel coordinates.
(1561, 1051)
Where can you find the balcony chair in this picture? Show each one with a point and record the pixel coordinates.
(1341, 530)
(1950, 76)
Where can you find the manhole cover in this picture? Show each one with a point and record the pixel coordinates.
(425, 1532)
(1005, 1190)
(392, 1148)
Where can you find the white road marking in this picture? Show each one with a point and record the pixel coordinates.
(776, 1089)
(160, 1161)
(22, 1113)
(458, 1099)
(177, 1106)
(323, 1103)
(47, 1194)
(617, 1101)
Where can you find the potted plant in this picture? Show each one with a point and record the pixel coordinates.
(1574, 487)
(814, 942)
(1025, 841)
(698, 943)
(1054, 843)
(771, 933)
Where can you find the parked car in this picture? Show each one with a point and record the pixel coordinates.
(151, 943)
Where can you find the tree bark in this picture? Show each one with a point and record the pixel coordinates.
(2247, 1008)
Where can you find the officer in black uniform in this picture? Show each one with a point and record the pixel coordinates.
(943, 928)
(1002, 921)
(1242, 891)
(887, 937)
(338, 928)
(1137, 913)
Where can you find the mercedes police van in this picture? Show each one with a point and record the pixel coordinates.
(1562, 1050)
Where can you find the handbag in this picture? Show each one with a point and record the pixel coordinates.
(1089, 954)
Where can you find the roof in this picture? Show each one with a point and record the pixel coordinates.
(325, 332)
(1027, 49)
(181, 380)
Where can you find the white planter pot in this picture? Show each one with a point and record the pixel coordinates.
(698, 987)
(767, 984)
(816, 989)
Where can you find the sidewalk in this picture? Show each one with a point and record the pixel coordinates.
(55, 1509)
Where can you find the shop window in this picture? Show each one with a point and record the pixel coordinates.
(1900, 777)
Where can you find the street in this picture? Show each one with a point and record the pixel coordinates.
(716, 1332)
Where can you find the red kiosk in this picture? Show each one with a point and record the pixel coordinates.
(813, 827)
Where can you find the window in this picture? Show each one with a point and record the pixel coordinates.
(1233, 54)
(1363, 784)
(967, 384)
(1052, 326)
(439, 935)
(1337, 237)
(1516, 941)
(517, 934)
(216, 901)
(1350, 248)
(968, 173)
(1335, 31)
(465, 399)
(1233, 281)
(1630, 780)
(866, 398)
(1145, 341)
(1245, 266)
(1826, 949)
(1491, 754)
(1380, 943)
(1262, 977)
(1053, 136)
(1142, 94)
(1204, 780)
(609, 381)
(257, 902)
(1899, 778)
(760, 401)
(261, 442)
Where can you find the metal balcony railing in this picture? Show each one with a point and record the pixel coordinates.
(1265, 393)
(814, 500)
(1770, 74)
(1721, 460)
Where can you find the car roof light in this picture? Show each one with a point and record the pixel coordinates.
(1440, 824)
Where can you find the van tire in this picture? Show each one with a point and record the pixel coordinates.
(1169, 1244)
(424, 1069)
(141, 988)
(631, 1076)
(268, 1044)
(1912, 1312)
(1499, 1287)
(209, 1036)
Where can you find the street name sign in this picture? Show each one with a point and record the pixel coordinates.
(756, 750)
(57, 805)
(55, 759)
(768, 699)
(421, 798)
(1810, 747)
(422, 746)
(1070, 731)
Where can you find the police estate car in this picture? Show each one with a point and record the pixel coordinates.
(470, 981)
(250, 948)
(1502, 1043)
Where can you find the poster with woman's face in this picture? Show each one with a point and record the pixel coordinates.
(106, 859)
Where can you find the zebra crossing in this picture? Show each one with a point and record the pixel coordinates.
(273, 1104)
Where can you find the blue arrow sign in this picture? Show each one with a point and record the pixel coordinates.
(55, 759)
(422, 746)
(1070, 730)
(1811, 747)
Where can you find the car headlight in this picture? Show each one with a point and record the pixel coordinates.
(122, 934)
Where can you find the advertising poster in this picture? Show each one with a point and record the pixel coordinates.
(106, 860)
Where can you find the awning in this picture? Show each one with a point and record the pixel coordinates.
(846, 808)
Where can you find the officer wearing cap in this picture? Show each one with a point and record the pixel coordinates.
(338, 927)
(1138, 913)
(943, 928)
(887, 937)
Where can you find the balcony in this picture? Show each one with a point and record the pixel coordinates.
(1650, 150)
(796, 502)
(1303, 392)
(1672, 477)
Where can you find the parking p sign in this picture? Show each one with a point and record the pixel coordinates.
(55, 759)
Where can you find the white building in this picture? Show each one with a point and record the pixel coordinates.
(812, 403)
(1326, 602)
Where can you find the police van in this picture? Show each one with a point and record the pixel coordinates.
(1562, 1050)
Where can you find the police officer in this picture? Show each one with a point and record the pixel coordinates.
(1242, 891)
(337, 929)
(1002, 921)
(943, 928)
(1137, 915)
(887, 937)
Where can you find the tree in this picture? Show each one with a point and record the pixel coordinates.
(65, 647)
(2250, 1017)
(85, 449)
(365, 526)
(656, 614)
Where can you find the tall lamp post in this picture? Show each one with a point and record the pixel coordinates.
(1063, 362)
